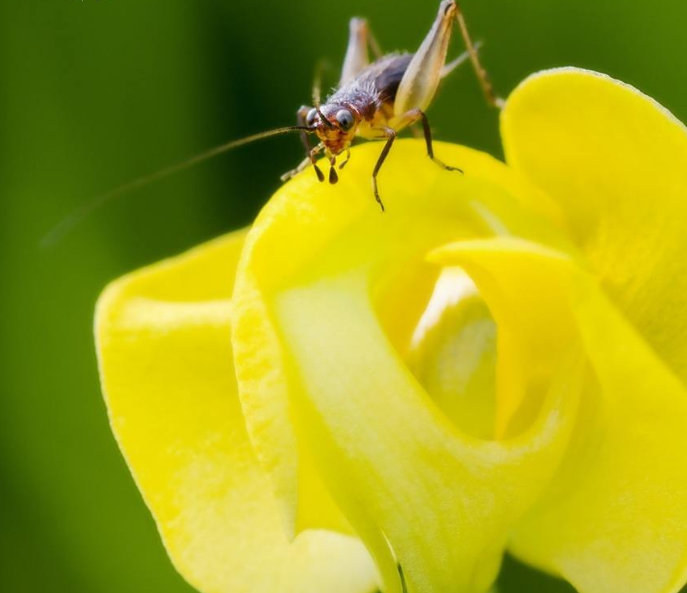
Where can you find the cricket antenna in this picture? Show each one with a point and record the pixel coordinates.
(67, 224)
(323, 117)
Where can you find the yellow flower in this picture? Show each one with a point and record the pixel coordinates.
(340, 401)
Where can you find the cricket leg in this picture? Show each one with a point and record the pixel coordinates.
(423, 75)
(333, 176)
(487, 88)
(390, 135)
(348, 158)
(428, 141)
(300, 119)
(460, 60)
(357, 57)
(316, 94)
(302, 166)
(427, 67)
(309, 160)
(374, 45)
(313, 160)
(309, 151)
(413, 116)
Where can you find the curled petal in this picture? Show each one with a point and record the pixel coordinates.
(165, 355)
(615, 162)
(615, 516)
(453, 354)
(312, 286)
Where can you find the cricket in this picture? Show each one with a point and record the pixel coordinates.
(373, 101)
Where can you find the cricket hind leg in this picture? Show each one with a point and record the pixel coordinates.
(459, 61)
(472, 49)
(428, 65)
(423, 74)
(360, 41)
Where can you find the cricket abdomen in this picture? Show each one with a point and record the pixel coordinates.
(387, 73)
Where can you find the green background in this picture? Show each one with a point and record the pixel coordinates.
(96, 92)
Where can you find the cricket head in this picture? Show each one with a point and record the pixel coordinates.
(335, 126)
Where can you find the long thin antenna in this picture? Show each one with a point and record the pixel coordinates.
(72, 220)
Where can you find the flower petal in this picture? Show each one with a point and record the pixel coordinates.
(311, 284)
(163, 338)
(615, 518)
(616, 163)
(454, 356)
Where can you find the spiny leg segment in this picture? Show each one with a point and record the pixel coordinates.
(482, 75)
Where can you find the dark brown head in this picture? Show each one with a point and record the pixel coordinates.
(335, 126)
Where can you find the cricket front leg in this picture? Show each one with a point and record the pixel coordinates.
(390, 135)
(301, 116)
(345, 161)
(302, 166)
(305, 163)
(309, 151)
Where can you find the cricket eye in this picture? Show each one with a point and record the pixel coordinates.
(345, 119)
(310, 118)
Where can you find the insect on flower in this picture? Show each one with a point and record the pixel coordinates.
(377, 100)
(374, 100)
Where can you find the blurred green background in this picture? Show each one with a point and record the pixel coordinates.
(97, 92)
